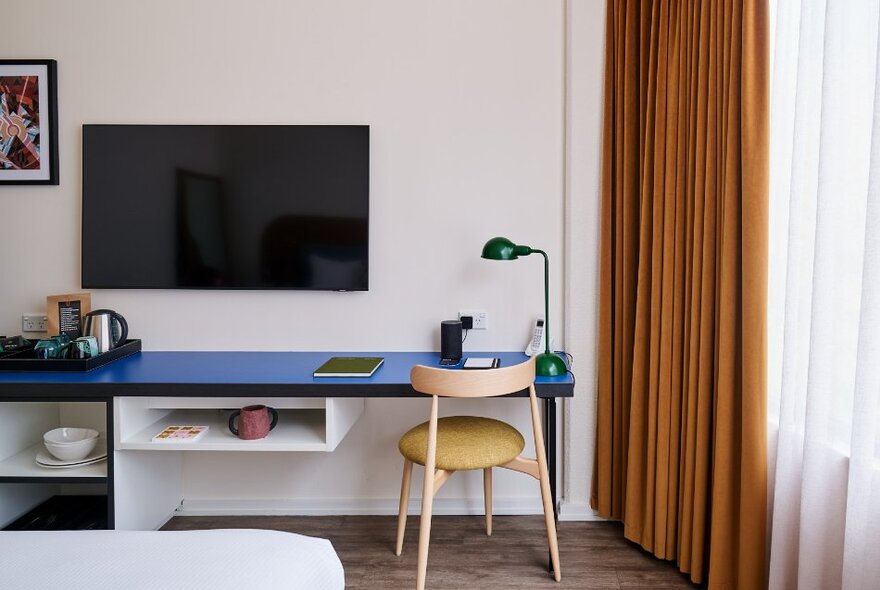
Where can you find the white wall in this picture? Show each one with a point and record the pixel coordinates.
(585, 67)
(466, 102)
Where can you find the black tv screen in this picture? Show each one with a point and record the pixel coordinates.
(225, 207)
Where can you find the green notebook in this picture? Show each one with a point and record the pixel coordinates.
(349, 366)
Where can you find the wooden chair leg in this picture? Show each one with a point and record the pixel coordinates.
(550, 522)
(425, 533)
(427, 498)
(487, 498)
(404, 504)
(545, 486)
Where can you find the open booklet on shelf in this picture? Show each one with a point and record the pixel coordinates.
(180, 434)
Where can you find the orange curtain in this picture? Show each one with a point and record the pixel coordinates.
(681, 453)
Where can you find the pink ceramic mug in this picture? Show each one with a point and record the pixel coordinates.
(253, 422)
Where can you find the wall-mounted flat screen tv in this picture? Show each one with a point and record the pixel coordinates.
(226, 207)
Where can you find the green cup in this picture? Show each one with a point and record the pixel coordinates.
(84, 347)
(48, 348)
(61, 339)
(52, 347)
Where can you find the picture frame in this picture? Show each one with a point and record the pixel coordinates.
(28, 121)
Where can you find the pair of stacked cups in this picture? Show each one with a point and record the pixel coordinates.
(61, 347)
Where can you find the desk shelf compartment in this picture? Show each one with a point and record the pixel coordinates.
(21, 439)
(24, 484)
(64, 513)
(304, 424)
(23, 466)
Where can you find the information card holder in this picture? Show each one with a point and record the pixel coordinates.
(65, 313)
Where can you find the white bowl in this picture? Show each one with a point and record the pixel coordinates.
(66, 436)
(70, 444)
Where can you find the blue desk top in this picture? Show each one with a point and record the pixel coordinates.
(237, 373)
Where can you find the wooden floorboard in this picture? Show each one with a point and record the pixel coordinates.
(592, 554)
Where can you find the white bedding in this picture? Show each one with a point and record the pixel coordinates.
(152, 560)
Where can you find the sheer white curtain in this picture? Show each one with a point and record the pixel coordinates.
(824, 340)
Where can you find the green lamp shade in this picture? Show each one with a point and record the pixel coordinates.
(549, 364)
(503, 249)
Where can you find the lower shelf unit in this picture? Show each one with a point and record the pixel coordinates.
(24, 465)
(65, 513)
(304, 424)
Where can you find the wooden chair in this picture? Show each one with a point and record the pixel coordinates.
(458, 443)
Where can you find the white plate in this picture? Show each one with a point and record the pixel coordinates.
(99, 453)
(66, 466)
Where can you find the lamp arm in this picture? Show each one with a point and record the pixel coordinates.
(546, 298)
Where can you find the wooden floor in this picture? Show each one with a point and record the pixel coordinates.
(592, 554)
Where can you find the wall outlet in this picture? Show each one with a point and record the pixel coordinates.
(481, 318)
(34, 322)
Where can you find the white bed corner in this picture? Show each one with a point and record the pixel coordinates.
(135, 560)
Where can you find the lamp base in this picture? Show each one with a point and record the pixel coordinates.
(548, 364)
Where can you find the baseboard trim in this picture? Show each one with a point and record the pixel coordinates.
(577, 511)
(346, 506)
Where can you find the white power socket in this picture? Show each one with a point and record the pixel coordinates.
(481, 318)
(34, 322)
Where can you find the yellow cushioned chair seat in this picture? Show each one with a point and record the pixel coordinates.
(464, 442)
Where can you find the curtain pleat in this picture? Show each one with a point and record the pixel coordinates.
(681, 430)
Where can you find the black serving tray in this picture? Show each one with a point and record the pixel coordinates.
(24, 360)
(27, 348)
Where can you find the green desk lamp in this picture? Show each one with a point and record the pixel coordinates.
(547, 364)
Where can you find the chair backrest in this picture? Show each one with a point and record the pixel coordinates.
(476, 383)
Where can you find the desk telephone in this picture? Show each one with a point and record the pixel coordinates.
(537, 342)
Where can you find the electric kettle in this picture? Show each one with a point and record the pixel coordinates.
(108, 327)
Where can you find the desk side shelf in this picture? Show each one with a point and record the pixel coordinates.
(304, 424)
(24, 465)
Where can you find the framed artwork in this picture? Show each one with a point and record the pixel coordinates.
(28, 121)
